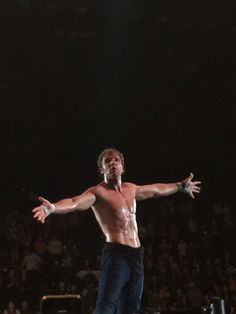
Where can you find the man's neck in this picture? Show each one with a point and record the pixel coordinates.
(114, 183)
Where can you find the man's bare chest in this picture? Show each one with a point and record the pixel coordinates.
(123, 200)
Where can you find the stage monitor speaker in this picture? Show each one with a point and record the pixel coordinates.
(61, 304)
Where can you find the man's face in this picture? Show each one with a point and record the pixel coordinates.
(112, 165)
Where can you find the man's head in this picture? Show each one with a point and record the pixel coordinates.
(111, 160)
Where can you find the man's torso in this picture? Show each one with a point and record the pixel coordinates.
(115, 211)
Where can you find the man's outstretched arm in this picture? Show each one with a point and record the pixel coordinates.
(164, 189)
(81, 202)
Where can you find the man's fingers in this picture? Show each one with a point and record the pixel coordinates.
(36, 214)
(43, 200)
(41, 217)
(39, 214)
(188, 179)
(35, 209)
(38, 211)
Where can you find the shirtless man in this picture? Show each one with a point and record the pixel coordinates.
(114, 205)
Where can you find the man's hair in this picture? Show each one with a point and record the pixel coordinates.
(106, 150)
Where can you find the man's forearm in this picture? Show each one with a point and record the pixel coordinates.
(165, 189)
(80, 202)
(64, 206)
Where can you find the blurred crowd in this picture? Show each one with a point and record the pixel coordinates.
(189, 256)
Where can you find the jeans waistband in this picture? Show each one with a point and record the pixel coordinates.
(123, 248)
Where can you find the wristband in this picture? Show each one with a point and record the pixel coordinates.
(49, 210)
(183, 187)
(180, 186)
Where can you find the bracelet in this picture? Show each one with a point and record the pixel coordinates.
(48, 210)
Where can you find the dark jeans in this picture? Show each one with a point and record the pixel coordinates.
(121, 280)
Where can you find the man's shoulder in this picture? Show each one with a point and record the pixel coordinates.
(92, 189)
(129, 185)
(96, 188)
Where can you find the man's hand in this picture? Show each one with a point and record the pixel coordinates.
(42, 211)
(189, 187)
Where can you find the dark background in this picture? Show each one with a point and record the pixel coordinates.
(156, 79)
